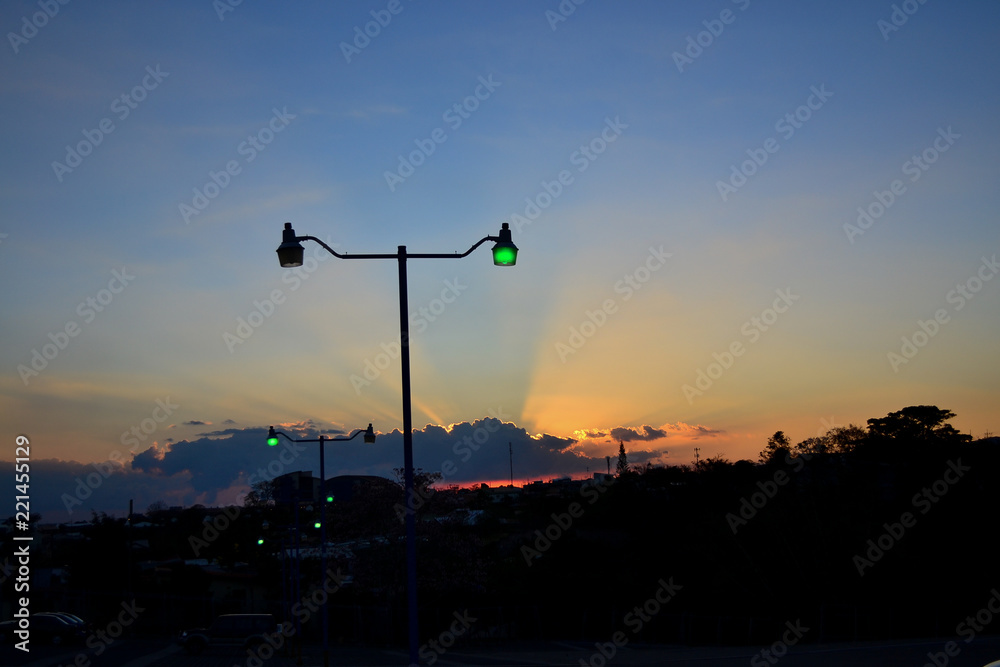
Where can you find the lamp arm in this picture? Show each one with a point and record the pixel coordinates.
(291, 439)
(352, 437)
(454, 255)
(341, 255)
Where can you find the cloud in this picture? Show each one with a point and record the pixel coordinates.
(692, 432)
(70, 491)
(367, 113)
(648, 433)
(627, 434)
(216, 466)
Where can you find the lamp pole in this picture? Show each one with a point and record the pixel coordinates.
(272, 440)
(290, 254)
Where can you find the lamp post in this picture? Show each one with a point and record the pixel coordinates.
(272, 440)
(290, 255)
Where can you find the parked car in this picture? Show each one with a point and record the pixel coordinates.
(72, 619)
(242, 630)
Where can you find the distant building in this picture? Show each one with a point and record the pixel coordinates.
(299, 486)
(344, 487)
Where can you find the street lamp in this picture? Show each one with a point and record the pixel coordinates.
(290, 255)
(272, 440)
(504, 251)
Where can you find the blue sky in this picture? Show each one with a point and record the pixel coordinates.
(657, 268)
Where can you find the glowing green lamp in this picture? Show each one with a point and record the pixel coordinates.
(504, 252)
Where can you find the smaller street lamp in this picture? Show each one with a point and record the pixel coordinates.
(272, 440)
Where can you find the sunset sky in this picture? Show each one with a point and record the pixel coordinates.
(734, 217)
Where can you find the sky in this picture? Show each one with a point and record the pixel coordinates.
(734, 217)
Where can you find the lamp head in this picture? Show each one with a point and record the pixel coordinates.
(290, 251)
(272, 437)
(369, 435)
(504, 252)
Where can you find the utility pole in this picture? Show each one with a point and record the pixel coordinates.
(128, 527)
(510, 449)
(696, 450)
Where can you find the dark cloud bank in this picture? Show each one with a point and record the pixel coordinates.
(214, 468)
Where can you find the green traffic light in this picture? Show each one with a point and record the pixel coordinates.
(316, 525)
(260, 541)
(504, 255)
(329, 499)
(272, 442)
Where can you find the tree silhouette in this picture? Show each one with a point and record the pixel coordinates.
(622, 468)
(157, 506)
(845, 439)
(422, 481)
(261, 494)
(777, 448)
(922, 423)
